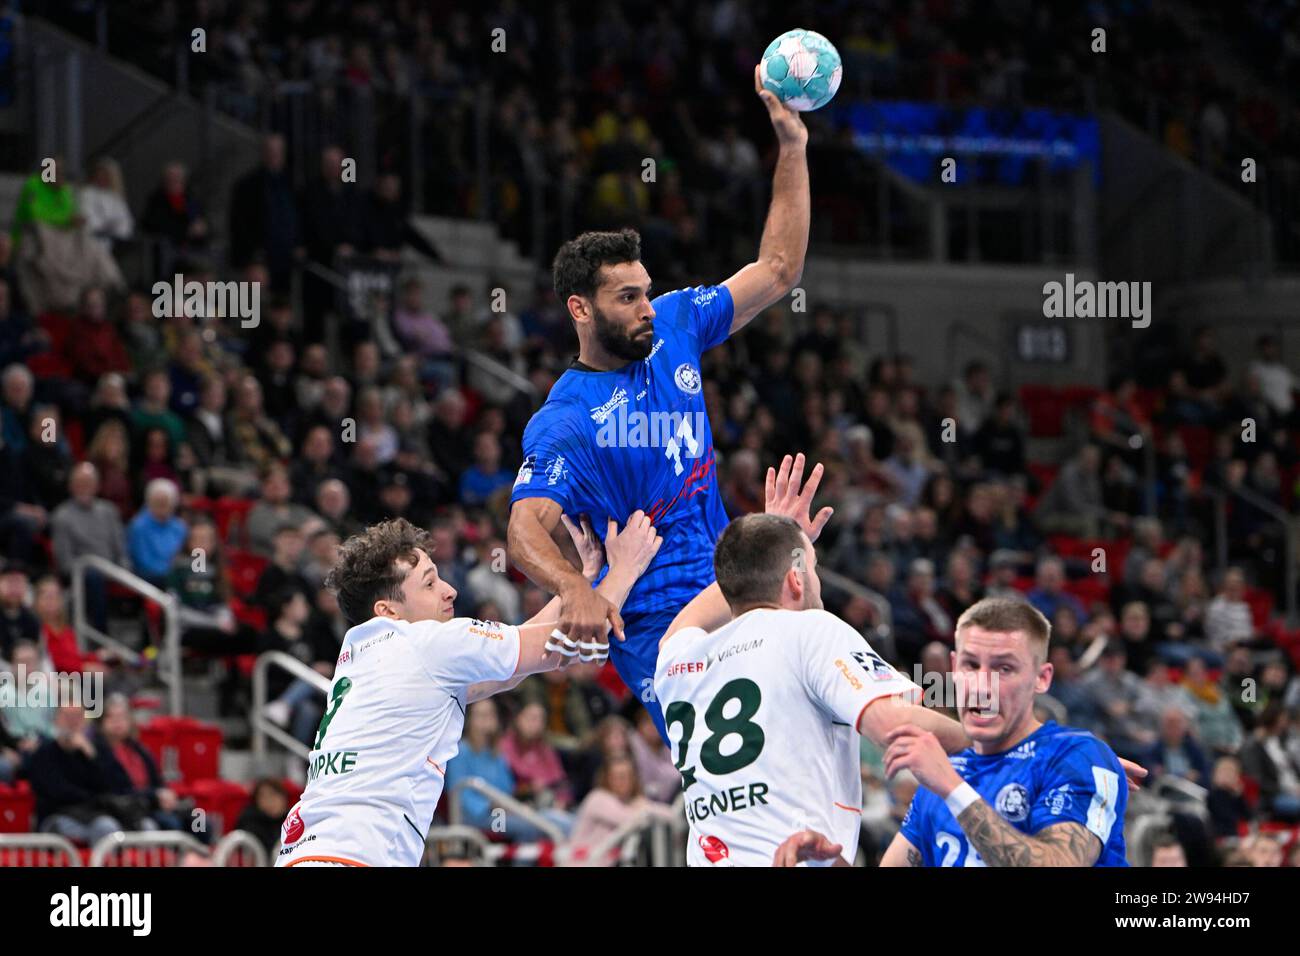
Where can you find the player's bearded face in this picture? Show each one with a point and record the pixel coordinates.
(630, 339)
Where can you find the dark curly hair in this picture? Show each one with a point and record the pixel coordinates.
(576, 267)
(373, 564)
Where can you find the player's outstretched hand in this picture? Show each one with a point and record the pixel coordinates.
(788, 124)
(784, 496)
(910, 748)
(1135, 773)
(807, 845)
(635, 546)
(588, 545)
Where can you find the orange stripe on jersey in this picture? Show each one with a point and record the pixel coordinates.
(850, 809)
(327, 859)
(430, 761)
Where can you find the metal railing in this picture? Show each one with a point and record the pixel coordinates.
(37, 849)
(162, 848)
(236, 846)
(1290, 540)
(506, 802)
(263, 726)
(169, 667)
(488, 852)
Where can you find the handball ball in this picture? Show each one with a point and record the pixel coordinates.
(802, 69)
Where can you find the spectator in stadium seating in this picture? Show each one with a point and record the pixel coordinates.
(46, 460)
(450, 437)
(1115, 691)
(46, 199)
(448, 553)
(961, 586)
(1264, 758)
(331, 211)
(608, 739)
(108, 402)
(158, 458)
(1205, 369)
(424, 334)
(86, 524)
(293, 702)
(1278, 383)
(273, 509)
(1068, 690)
(94, 347)
(910, 465)
(58, 638)
(17, 622)
(1226, 800)
(615, 801)
(1166, 851)
(976, 401)
(20, 339)
(1135, 630)
(153, 410)
(210, 439)
(1160, 692)
(485, 476)
(18, 387)
(1073, 504)
(138, 796)
(279, 385)
(1118, 418)
(1262, 850)
(188, 369)
(174, 213)
(322, 555)
(155, 534)
(1177, 753)
(480, 756)
(69, 783)
(284, 571)
(102, 203)
(1000, 441)
(1048, 592)
(109, 453)
(654, 761)
(539, 774)
(264, 215)
(198, 573)
(918, 617)
(1227, 617)
(255, 441)
(265, 812)
(141, 333)
(333, 504)
(309, 386)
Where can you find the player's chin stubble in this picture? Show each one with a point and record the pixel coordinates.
(619, 342)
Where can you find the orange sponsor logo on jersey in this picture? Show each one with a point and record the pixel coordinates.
(486, 629)
(848, 674)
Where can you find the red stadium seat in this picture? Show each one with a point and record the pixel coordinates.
(1045, 409)
(230, 516)
(17, 808)
(245, 570)
(1261, 606)
(1199, 442)
(195, 746)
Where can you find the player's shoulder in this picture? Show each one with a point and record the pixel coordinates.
(672, 304)
(1062, 744)
(682, 645)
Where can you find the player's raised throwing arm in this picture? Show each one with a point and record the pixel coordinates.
(784, 246)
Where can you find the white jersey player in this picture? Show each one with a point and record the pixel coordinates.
(404, 677)
(765, 693)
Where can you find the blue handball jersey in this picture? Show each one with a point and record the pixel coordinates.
(1055, 775)
(606, 444)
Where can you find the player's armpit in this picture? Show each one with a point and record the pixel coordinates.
(900, 852)
(1000, 844)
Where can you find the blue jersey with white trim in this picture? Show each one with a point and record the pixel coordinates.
(606, 444)
(1055, 775)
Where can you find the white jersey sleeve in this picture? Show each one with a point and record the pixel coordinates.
(843, 673)
(465, 650)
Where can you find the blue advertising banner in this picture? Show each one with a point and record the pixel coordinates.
(1004, 144)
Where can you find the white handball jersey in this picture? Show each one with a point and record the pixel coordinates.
(763, 715)
(392, 721)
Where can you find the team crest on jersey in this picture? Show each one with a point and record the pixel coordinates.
(526, 471)
(873, 664)
(293, 827)
(1013, 803)
(715, 851)
(687, 378)
(602, 412)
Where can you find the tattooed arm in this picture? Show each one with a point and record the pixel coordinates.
(1001, 844)
(901, 853)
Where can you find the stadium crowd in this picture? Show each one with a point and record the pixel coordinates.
(150, 442)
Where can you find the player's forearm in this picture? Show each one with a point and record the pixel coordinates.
(535, 553)
(784, 245)
(707, 610)
(950, 732)
(1000, 844)
(883, 715)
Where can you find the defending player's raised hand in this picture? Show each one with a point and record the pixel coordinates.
(635, 546)
(911, 748)
(790, 130)
(807, 845)
(588, 544)
(786, 493)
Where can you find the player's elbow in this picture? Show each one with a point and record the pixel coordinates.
(785, 273)
(881, 716)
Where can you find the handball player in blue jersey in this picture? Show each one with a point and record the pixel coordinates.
(625, 426)
(1025, 793)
